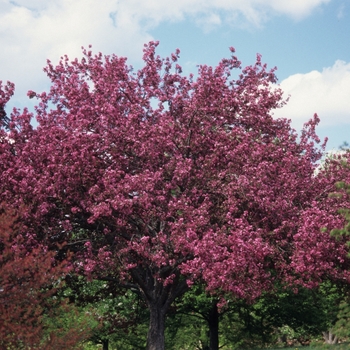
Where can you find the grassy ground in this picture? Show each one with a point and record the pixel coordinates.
(318, 347)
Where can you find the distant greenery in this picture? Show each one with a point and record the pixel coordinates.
(273, 320)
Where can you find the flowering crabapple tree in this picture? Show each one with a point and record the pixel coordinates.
(157, 180)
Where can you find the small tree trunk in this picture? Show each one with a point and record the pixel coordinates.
(213, 322)
(330, 338)
(105, 343)
(155, 336)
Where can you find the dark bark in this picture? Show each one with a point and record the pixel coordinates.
(155, 336)
(158, 298)
(213, 322)
(105, 344)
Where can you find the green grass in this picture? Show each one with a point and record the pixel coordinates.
(345, 346)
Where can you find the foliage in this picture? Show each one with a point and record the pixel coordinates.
(341, 327)
(67, 326)
(29, 278)
(188, 322)
(284, 317)
(296, 316)
(120, 315)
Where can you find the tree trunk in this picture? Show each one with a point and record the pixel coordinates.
(105, 344)
(159, 299)
(330, 338)
(155, 336)
(213, 322)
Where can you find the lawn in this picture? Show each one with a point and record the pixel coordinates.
(344, 346)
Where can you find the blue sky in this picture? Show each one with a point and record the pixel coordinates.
(308, 41)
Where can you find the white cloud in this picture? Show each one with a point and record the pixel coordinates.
(326, 93)
(296, 8)
(208, 21)
(341, 11)
(31, 31)
(28, 37)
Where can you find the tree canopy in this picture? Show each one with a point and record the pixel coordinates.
(156, 180)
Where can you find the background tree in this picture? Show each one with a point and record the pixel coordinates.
(29, 277)
(156, 180)
(120, 315)
(340, 165)
(5, 95)
(285, 316)
(67, 326)
(197, 311)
